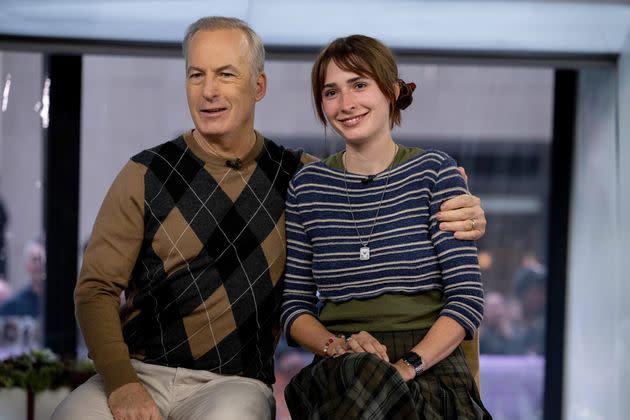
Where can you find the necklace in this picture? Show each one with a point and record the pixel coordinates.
(364, 251)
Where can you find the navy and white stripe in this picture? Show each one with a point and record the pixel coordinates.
(409, 254)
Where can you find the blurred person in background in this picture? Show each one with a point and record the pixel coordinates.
(5, 291)
(530, 288)
(498, 334)
(27, 301)
(289, 362)
(4, 219)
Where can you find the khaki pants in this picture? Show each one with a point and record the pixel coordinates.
(179, 394)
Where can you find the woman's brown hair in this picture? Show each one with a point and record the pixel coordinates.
(367, 57)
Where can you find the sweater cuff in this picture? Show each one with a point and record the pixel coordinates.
(117, 374)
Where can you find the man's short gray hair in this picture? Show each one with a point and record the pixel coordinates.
(215, 23)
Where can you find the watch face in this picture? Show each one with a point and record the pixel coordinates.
(413, 359)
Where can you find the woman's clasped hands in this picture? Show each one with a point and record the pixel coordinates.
(362, 342)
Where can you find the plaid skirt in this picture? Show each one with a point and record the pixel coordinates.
(362, 386)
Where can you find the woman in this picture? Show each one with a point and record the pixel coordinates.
(396, 295)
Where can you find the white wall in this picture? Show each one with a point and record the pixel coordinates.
(591, 270)
(21, 157)
(590, 26)
(621, 305)
(597, 367)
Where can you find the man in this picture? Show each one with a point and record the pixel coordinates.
(530, 288)
(193, 232)
(27, 302)
(498, 335)
(5, 291)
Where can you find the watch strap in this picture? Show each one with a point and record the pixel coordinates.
(414, 360)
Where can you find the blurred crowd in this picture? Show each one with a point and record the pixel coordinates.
(514, 323)
(20, 326)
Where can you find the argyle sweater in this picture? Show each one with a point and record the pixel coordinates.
(330, 214)
(199, 250)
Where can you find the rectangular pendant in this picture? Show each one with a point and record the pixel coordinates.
(364, 253)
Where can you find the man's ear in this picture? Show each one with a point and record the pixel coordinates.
(261, 86)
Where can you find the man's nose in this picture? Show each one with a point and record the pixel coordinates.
(210, 88)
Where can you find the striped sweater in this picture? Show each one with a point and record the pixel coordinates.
(327, 211)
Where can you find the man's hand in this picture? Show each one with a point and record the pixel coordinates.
(133, 402)
(463, 215)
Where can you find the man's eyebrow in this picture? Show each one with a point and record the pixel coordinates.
(193, 68)
(227, 67)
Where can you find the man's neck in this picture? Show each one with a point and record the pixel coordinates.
(226, 148)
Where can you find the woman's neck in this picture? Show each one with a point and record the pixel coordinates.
(370, 158)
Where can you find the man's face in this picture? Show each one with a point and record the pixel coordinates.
(35, 266)
(221, 90)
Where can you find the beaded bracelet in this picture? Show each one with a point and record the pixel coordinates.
(331, 340)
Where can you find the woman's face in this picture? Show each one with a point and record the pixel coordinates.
(355, 106)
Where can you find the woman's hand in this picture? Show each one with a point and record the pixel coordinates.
(337, 347)
(406, 371)
(365, 342)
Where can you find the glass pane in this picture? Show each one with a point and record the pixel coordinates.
(22, 254)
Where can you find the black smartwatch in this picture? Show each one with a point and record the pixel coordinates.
(413, 359)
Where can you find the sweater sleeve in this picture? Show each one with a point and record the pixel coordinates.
(107, 265)
(305, 158)
(300, 290)
(458, 261)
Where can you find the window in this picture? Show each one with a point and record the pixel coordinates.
(496, 122)
(22, 251)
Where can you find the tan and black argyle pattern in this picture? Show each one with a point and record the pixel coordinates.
(205, 290)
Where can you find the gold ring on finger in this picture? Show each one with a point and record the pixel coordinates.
(473, 224)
